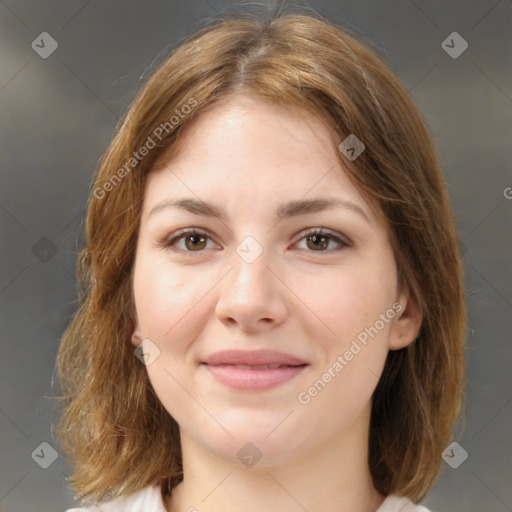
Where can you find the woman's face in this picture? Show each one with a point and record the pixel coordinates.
(254, 274)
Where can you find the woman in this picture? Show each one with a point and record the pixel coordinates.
(273, 311)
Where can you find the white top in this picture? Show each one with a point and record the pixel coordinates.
(149, 499)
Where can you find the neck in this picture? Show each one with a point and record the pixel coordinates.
(333, 477)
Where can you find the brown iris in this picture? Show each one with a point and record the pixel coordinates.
(316, 238)
(199, 245)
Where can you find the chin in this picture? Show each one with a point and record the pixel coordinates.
(258, 441)
(251, 452)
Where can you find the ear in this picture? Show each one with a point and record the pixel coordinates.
(136, 338)
(406, 324)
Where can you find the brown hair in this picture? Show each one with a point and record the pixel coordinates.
(113, 426)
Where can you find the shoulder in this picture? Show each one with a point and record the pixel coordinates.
(394, 503)
(148, 499)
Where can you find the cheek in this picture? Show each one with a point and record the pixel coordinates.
(353, 354)
(168, 310)
(351, 300)
(163, 295)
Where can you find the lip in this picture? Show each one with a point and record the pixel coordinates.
(239, 368)
(252, 358)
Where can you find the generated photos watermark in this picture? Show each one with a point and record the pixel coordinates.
(304, 397)
(156, 135)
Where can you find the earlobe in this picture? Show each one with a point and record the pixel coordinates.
(136, 337)
(406, 325)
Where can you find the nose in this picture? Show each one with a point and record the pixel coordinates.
(252, 296)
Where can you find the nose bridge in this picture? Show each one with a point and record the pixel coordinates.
(250, 260)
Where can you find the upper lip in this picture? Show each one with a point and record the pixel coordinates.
(253, 358)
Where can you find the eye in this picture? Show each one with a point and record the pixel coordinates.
(194, 240)
(318, 240)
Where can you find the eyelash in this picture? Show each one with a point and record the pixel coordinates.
(168, 241)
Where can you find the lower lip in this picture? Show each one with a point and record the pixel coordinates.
(253, 379)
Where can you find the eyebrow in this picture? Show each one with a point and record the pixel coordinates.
(290, 209)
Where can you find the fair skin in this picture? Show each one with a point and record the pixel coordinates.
(305, 296)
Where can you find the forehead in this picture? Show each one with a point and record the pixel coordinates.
(247, 125)
(256, 149)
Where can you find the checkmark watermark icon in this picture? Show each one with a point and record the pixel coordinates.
(454, 45)
(454, 455)
(249, 249)
(352, 147)
(44, 45)
(45, 455)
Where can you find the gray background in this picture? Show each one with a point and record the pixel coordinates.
(58, 114)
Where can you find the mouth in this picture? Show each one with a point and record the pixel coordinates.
(253, 370)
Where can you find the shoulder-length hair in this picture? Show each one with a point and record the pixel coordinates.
(113, 426)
